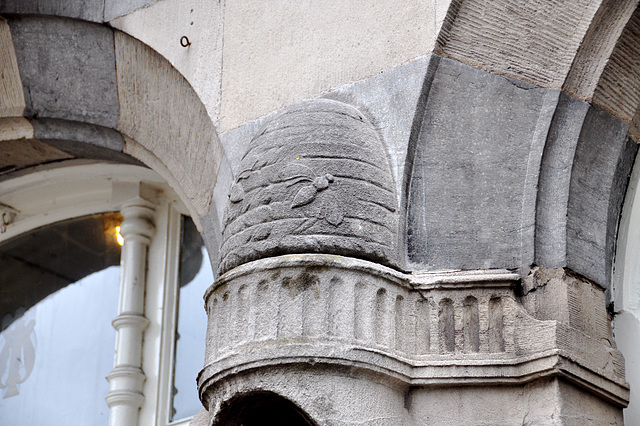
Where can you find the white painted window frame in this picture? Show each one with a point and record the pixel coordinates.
(49, 194)
(625, 292)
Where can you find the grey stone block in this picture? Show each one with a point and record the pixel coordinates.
(48, 128)
(315, 179)
(212, 220)
(82, 140)
(390, 100)
(211, 235)
(87, 10)
(67, 69)
(601, 166)
(473, 186)
(92, 152)
(555, 178)
(116, 8)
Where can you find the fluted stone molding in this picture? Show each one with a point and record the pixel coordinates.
(455, 328)
(126, 380)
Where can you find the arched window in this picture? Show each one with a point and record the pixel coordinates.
(65, 278)
(626, 293)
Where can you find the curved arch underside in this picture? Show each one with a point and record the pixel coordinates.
(92, 92)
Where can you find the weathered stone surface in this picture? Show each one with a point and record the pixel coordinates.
(161, 26)
(68, 69)
(286, 52)
(87, 10)
(599, 174)
(532, 40)
(17, 154)
(391, 99)
(535, 404)
(554, 182)
(316, 178)
(544, 402)
(618, 90)
(211, 234)
(200, 419)
(555, 294)
(477, 159)
(47, 128)
(15, 128)
(115, 8)
(329, 397)
(92, 152)
(160, 111)
(450, 330)
(11, 93)
(599, 42)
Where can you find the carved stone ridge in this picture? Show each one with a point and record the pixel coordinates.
(423, 329)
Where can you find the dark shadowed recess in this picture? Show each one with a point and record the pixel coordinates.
(261, 408)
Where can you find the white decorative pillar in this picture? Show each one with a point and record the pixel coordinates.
(126, 380)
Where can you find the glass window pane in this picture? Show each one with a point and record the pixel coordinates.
(195, 276)
(58, 295)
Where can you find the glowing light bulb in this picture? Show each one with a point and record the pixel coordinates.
(119, 236)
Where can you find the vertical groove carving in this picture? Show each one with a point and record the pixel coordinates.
(381, 329)
(332, 308)
(423, 325)
(399, 325)
(223, 328)
(242, 317)
(341, 314)
(496, 320)
(471, 325)
(289, 308)
(211, 350)
(312, 305)
(359, 311)
(263, 300)
(215, 327)
(446, 325)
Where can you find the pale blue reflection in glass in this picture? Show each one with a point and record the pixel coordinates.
(55, 357)
(195, 276)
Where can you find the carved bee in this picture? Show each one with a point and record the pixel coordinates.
(296, 173)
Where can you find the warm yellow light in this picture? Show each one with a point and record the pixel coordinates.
(119, 237)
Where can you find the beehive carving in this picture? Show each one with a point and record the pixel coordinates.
(315, 179)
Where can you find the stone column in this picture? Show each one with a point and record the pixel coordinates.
(126, 380)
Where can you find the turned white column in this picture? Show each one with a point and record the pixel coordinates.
(126, 380)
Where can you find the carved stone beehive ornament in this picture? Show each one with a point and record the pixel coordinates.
(315, 179)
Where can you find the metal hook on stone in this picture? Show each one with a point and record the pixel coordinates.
(184, 41)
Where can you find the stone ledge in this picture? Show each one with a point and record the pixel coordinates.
(423, 329)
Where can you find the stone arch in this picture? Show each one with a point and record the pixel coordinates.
(89, 91)
(591, 148)
(534, 124)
